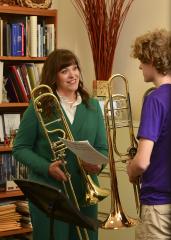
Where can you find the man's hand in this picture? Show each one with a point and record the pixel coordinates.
(138, 165)
(132, 178)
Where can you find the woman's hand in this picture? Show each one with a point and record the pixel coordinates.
(91, 168)
(56, 172)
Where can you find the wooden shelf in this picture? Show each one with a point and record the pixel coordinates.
(15, 232)
(23, 58)
(27, 11)
(13, 107)
(11, 194)
(4, 148)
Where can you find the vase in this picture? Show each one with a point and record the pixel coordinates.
(100, 88)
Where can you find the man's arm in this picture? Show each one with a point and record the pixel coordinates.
(141, 160)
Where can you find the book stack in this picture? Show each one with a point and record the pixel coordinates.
(23, 209)
(9, 217)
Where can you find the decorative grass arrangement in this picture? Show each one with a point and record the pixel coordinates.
(103, 20)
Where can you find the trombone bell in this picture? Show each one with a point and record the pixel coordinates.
(118, 220)
(95, 194)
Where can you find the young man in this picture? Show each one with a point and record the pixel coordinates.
(152, 163)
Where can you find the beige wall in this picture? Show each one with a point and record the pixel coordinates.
(144, 15)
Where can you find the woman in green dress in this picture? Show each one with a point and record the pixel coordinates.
(62, 73)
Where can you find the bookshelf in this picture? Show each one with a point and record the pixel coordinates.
(12, 107)
(11, 194)
(11, 14)
(15, 232)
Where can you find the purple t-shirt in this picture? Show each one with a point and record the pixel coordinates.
(155, 125)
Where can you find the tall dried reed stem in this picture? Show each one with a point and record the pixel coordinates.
(103, 20)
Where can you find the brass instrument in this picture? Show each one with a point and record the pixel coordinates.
(117, 111)
(42, 97)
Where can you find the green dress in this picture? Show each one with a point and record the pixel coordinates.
(32, 149)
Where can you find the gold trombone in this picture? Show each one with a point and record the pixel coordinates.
(42, 97)
(117, 111)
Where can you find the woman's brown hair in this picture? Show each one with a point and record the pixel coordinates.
(56, 61)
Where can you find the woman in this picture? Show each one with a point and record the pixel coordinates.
(62, 73)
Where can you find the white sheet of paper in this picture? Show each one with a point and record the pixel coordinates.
(85, 151)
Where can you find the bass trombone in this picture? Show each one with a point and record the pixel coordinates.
(117, 112)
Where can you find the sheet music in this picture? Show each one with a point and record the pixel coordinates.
(85, 151)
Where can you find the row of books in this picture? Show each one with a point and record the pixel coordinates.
(14, 215)
(28, 36)
(10, 169)
(21, 79)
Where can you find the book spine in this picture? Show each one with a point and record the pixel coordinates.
(14, 39)
(8, 39)
(11, 90)
(22, 39)
(24, 80)
(30, 71)
(1, 37)
(1, 129)
(1, 80)
(26, 76)
(44, 38)
(5, 38)
(33, 36)
(2, 173)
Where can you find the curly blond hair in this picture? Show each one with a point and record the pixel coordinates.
(154, 48)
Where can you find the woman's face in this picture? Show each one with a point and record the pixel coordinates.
(68, 79)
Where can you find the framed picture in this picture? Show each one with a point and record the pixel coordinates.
(11, 123)
(1, 129)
